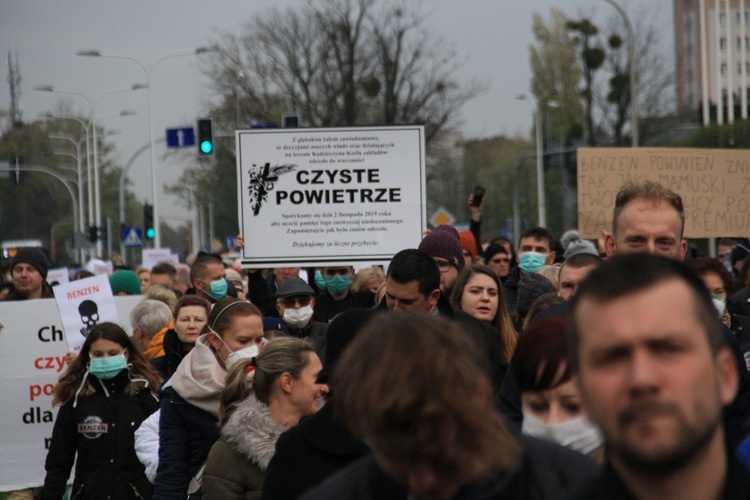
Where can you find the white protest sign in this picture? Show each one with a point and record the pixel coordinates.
(315, 197)
(152, 256)
(32, 358)
(82, 305)
(59, 274)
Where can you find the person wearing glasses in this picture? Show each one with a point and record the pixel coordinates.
(444, 245)
(336, 295)
(413, 285)
(295, 303)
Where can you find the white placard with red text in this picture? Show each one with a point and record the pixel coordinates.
(59, 275)
(32, 357)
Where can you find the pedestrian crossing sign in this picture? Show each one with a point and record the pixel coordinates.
(132, 237)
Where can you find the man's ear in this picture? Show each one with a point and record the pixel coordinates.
(683, 249)
(726, 369)
(550, 258)
(434, 296)
(609, 243)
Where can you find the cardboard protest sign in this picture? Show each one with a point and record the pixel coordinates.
(311, 197)
(82, 305)
(714, 185)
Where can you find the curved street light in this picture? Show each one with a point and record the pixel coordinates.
(92, 106)
(148, 71)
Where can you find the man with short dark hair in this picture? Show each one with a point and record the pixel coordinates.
(413, 284)
(208, 277)
(655, 372)
(336, 295)
(535, 249)
(165, 274)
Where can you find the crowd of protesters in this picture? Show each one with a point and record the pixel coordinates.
(465, 368)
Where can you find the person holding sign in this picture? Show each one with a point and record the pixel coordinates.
(104, 396)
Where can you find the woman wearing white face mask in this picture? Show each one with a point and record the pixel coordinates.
(104, 395)
(264, 397)
(189, 419)
(551, 404)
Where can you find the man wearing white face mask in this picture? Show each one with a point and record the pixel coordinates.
(295, 303)
(534, 251)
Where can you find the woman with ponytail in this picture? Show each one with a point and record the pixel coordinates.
(263, 397)
(105, 394)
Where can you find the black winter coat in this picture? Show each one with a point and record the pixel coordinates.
(99, 430)
(545, 471)
(186, 435)
(308, 453)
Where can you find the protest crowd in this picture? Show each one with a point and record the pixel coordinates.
(466, 368)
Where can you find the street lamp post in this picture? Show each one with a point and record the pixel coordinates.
(77, 145)
(123, 175)
(149, 71)
(541, 199)
(92, 106)
(90, 185)
(632, 67)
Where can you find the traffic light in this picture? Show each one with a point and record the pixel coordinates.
(93, 234)
(103, 233)
(148, 221)
(205, 140)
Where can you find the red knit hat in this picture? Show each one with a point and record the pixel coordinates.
(468, 243)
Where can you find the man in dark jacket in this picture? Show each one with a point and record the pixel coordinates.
(411, 385)
(294, 303)
(655, 372)
(29, 271)
(413, 284)
(535, 249)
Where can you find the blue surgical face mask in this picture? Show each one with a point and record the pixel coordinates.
(531, 262)
(338, 284)
(109, 367)
(218, 289)
(320, 281)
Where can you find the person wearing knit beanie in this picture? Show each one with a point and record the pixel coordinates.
(29, 268)
(497, 258)
(124, 282)
(444, 245)
(469, 246)
(531, 287)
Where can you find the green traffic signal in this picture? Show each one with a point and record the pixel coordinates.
(207, 147)
(150, 233)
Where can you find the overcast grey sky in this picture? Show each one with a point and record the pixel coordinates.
(493, 37)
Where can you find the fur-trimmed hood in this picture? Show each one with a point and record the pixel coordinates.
(252, 432)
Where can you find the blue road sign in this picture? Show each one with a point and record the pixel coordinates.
(132, 237)
(180, 137)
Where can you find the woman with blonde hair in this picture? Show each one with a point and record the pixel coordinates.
(263, 397)
(190, 399)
